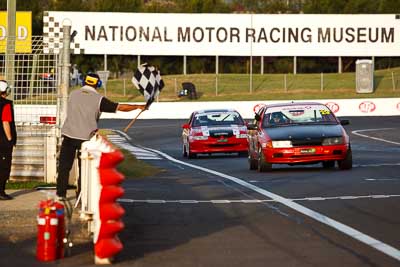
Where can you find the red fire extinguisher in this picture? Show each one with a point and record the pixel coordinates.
(51, 231)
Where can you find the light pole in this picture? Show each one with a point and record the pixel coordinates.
(10, 44)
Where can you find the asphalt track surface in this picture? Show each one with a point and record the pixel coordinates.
(186, 216)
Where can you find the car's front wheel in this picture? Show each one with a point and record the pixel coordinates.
(347, 162)
(263, 165)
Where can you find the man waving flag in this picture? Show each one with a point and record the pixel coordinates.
(147, 79)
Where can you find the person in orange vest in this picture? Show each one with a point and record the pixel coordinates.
(8, 137)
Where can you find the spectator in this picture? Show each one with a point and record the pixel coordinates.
(8, 137)
(75, 76)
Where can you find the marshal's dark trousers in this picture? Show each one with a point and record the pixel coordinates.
(5, 165)
(69, 148)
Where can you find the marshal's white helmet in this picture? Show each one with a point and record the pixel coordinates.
(4, 88)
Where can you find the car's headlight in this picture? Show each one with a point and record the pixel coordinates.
(332, 141)
(282, 144)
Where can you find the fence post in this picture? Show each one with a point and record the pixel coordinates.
(124, 87)
(216, 85)
(176, 85)
(33, 74)
(322, 81)
(10, 45)
(65, 69)
(285, 82)
(393, 82)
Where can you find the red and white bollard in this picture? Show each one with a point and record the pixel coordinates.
(107, 243)
(101, 187)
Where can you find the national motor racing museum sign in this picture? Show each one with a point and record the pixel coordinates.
(226, 34)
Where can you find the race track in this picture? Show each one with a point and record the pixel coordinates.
(214, 211)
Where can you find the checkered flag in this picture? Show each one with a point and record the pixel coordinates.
(148, 81)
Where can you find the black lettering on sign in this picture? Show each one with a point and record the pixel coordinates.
(293, 35)
(337, 35)
(373, 38)
(102, 34)
(262, 36)
(271, 35)
(235, 33)
(184, 36)
(350, 35)
(210, 30)
(387, 37)
(166, 35)
(250, 33)
(306, 35)
(324, 37)
(113, 28)
(198, 34)
(144, 33)
(361, 35)
(222, 35)
(130, 33)
(156, 35)
(90, 33)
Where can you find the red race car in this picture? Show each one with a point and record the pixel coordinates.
(214, 131)
(298, 133)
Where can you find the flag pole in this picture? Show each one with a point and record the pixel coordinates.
(132, 121)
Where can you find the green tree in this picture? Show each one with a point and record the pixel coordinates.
(351, 7)
(203, 6)
(389, 6)
(113, 6)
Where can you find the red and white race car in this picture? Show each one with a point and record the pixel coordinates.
(298, 133)
(214, 131)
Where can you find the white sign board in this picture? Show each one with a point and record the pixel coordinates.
(227, 34)
(182, 110)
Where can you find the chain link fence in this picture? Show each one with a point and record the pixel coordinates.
(35, 81)
(34, 78)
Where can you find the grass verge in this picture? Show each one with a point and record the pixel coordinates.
(134, 169)
(131, 167)
(15, 185)
(242, 87)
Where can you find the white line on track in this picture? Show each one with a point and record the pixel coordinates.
(123, 134)
(375, 165)
(139, 153)
(366, 239)
(248, 201)
(357, 132)
(381, 179)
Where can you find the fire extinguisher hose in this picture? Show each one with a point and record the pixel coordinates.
(68, 214)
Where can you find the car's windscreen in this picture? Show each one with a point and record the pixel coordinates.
(298, 115)
(217, 118)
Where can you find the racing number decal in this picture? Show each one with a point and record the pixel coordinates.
(324, 112)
